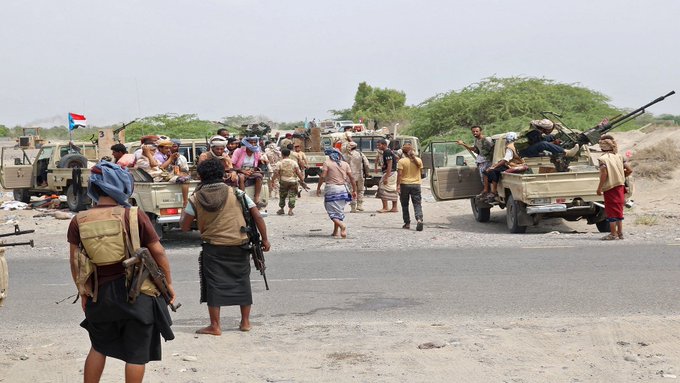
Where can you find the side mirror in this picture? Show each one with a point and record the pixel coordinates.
(460, 161)
(17, 161)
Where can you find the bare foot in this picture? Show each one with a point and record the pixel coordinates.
(343, 231)
(393, 211)
(209, 330)
(244, 326)
(382, 211)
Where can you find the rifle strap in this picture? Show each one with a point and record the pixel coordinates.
(134, 229)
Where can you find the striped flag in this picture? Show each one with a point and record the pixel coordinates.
(76, 120)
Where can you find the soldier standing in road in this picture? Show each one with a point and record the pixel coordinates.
(119, 329)
(224, 262)
(613, 173)
(408, 185)
(288, 172)
(359, 165)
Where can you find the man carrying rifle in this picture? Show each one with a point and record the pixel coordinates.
(99, 241)
(224, 262)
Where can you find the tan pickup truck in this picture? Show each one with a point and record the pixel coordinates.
(55, 168)
(538, 193)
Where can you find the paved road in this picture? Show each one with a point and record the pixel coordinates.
(519, 282)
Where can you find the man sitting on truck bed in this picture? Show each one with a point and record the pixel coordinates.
(247, 161)
(217, 150)
(536, 139)
(150, 163)
(510, 160)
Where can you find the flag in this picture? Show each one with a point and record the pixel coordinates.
(76, 120)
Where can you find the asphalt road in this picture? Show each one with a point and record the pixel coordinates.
(623, 279)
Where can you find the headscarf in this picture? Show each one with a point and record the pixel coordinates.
(334, 155)
(115, 181)
(608, 145)
(544, 124)
(249, 146)
(218, 141)
(510, 137)
(164, 143)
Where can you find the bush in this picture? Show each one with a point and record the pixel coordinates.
(655, 161)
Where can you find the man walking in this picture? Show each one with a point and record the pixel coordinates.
(288, 172)
(613, 173)
(224, 263)
(358, 163)
(408, 185)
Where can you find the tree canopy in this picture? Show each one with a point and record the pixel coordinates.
(385, 105)
(507, 104)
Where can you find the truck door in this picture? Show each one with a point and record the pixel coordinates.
(16, 169)
(454, 174)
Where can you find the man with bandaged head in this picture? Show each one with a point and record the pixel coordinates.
(99, 239)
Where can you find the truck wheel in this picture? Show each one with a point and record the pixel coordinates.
(22, 195)
(512, 217)
(482, 214)
(603, 226)
(77, 202)
(157, 226)
(73, 160)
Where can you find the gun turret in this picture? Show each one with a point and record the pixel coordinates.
(592, 135)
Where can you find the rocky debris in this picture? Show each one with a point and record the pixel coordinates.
(189, 358)
(431, 345)
(631, 358)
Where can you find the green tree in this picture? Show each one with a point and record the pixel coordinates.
(4, 131)
(507, 104)
(171, 125)
(385, 105)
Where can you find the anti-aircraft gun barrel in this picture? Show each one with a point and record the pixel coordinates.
(592, 136)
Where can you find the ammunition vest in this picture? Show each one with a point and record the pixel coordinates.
(102, 234)
(516, 159)
(222, 227)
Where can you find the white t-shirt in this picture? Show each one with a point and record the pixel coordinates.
(508, 155)
(248, 161)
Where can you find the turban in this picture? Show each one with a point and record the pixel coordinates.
(113, 180)
(246, 143)
(543, 124)
(334, 155)
(608, 145)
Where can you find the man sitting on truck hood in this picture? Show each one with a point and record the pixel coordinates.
(539, 138)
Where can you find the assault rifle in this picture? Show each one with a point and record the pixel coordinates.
(592, 135)
(255, 242)
(143, 266)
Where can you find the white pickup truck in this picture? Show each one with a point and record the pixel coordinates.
(538, 193)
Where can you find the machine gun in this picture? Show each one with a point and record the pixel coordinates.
(123, 127)
(17, 231)
(592, 135)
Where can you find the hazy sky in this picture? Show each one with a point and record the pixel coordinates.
(290, 59)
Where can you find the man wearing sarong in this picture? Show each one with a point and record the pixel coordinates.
(117, 328)
(224, 262)
(336, 174)
(613, 173)
(387, 188)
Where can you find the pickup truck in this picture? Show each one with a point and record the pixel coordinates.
(538, 193)
(55, 168)
(162, 201)
(367, 144)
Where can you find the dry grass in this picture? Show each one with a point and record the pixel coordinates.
(646, 220)
(657, 162)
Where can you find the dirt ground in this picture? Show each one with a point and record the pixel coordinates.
(487, 349)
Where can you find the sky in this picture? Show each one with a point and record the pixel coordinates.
(290, 60)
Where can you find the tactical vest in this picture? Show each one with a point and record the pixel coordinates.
(102, 235)
(516, 159)
(222, 227)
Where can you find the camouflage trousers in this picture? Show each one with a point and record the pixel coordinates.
(289, 190)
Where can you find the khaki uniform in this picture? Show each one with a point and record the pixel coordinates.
(357, 161)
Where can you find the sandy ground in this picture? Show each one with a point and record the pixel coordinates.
(487, 349)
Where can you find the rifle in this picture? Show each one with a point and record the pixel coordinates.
(17, 231)
(592, 135)
(255, 243)
(143, 265)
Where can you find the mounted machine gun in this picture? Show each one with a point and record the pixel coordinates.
(4, 273)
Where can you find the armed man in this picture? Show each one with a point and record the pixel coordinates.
(100, 240)
(224, 263)
(538, 138)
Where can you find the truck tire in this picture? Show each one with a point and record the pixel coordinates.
(77, 201)
(73, 160)
(482, 214)
(513, 209)
(603, 226)
(157, 226)
(22, 195)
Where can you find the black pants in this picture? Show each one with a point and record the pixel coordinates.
(412, 191)
(495, 175)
